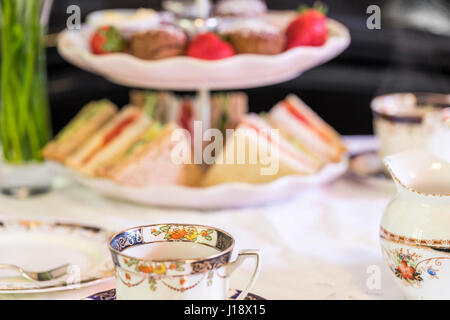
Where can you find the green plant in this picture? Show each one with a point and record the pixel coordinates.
(24, 112)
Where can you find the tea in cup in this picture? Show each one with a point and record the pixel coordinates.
(176, 262)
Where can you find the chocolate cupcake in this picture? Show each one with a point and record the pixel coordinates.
(158, 43)
(256, 37)
(241, 8)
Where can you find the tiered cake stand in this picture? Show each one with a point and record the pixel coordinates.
(189, 74)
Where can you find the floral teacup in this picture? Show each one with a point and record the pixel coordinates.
(176, 262)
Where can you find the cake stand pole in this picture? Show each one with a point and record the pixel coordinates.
(204, 107)
(204, 94)
(202, 8)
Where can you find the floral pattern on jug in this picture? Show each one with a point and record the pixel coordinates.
(412, 267)
(415, 229)
(415, 267)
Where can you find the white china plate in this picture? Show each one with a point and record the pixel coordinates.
(111, 295)
(39, 246)
(230, 195)
(186, 73)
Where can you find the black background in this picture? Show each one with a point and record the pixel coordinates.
(402, 56)
(276, 309)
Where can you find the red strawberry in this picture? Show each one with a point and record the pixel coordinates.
(107, 40)
(308, 29)
(209, 46)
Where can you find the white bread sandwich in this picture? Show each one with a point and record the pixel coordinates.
(301, 124)
(152, 159)
(256, 154)
(162, 106)
(227, 109)
(89, 120)
(109, 140)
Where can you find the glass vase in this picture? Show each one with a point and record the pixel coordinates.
(24, 108)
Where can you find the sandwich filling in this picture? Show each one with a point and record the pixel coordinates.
(283, 149)
(154, 130)
(186, 116)
(140, 144)
(111, 135)
(301, 147)
(299, 116)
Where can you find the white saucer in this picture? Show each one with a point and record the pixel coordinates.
(111, 295)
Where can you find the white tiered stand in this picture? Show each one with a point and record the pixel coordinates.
(189, 74)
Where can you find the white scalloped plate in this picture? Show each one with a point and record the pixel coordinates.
(186, 73)
(230, 195)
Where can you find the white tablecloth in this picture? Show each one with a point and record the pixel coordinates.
(323, 244)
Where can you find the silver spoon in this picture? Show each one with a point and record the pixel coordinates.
(39, 276)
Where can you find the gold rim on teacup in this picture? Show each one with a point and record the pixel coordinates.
(229, 248)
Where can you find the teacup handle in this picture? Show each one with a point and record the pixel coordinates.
(242, 256)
